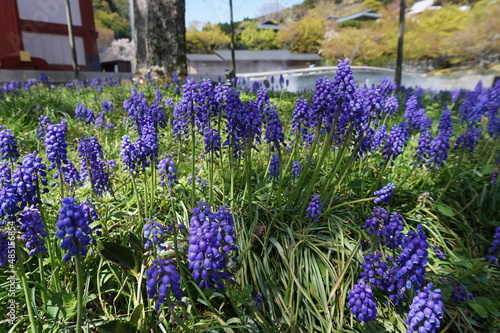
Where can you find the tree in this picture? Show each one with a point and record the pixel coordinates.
(258, 39)
(359, 45)
(480, 36)
(304, 36)
(160, 36)
(208, 39)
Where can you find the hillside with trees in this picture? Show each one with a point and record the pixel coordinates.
(456, 33)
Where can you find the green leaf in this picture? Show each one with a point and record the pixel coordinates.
(62, 305)
(117, 326)
(445, 210)
(487, 169)
(480, 310)
(118, 254)
(136, 314)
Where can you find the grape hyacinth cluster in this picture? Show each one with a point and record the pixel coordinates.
(129, 155)
(494, 250)
(93, 167)
(384, 194)
(211, 245)
(459, 294)
(163, 279)
(27, 179)
(56, 146)
(426, 310)
(32, 230)
(413, 258)
(396, 141)
(296, 169)
(274, 167)
(83, 114)
(361, 302)
(154, 233)
(43, 123)
(8, 199)
(73, 228)
(167, 171)
(8, 145)
(313, 209)
(375, 270)
(388, 230)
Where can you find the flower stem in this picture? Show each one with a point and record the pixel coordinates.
(79, 292)
(22, 276)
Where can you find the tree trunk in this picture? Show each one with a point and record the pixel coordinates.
(160, 37)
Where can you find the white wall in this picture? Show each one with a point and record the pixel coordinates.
(53, 48)
(49, 11)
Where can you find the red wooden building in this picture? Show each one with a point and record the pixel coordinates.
(34, 35)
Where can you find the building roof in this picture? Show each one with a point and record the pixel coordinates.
(368, 14)
(202, 57)
(267, 55)
(269, 25)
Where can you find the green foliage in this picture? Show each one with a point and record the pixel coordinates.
(254, 38)
(303, 268)
(304, 36)
(210, 38)
(113, 15)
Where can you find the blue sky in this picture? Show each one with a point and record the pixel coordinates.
(217, 11)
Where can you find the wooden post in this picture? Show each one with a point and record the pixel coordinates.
(233, 60)
(399, 59)
(72, 39)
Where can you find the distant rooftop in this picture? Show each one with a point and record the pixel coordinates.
(365, 15)
(267, 55)
(270, 25)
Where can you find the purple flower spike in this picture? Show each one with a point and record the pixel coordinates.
(426, 310)
(361, 302)
(163, 279)
(385, 193)
(8, 145)
(313, 209)
(73, 228)
(211, 246)
(32, 229)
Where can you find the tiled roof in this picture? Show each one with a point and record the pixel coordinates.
(366, 13)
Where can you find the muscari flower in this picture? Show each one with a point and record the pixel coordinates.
(375, 271)
(43, 123)
(385, 193)
(163, 279)
(153, 234)
(274, 167)
(93, 167)
(396, 141)
(494, 250)
(426, 311)
(8, 145)
(296, 169)
(361, 302)
(56, 146)
(313, 209)
(28, 178)
(167, 171)
(128, 153)
(32, 230)
(412, 259)
(73, 227)
(211, 245)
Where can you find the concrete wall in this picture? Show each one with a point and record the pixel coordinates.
(54, 76)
